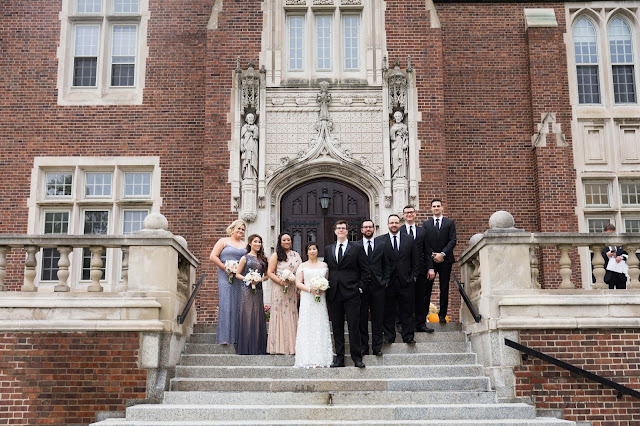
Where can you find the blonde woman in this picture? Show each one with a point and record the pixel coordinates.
(230, 248)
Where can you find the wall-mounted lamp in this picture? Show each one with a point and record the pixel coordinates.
(324, 199)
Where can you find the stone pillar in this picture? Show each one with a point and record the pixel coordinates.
(400, 194)
(249, 200)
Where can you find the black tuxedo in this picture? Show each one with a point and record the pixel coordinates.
(402, 269)
(426, 263)
(614, 279)
(373, 294)
(345, 280)
(441, 240)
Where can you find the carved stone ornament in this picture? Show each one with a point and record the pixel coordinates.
(351, 2)
(539, 139)
(250, 83)
(398, 86)
(296, 2)
(322, 2)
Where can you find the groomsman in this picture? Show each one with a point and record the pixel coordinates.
(347, 271)
(425, 270)
(402, 270)
(440, 241)
(373, 291)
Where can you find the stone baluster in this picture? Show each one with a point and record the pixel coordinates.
(124, 283)
(535, 272)
(3, 266)
(565, 266)
(63, 269)
(632, 263)
(30, 268)
(96, 269)
(476, 282)
(598, 266)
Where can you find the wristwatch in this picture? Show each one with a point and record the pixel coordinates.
(443, 254)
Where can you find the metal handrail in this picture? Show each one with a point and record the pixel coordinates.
(185, 311)
(476, 316)
(572, 368)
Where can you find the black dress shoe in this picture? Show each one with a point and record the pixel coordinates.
(337, 364)
(424, 329)
(364, 352)
(443, 320)
(377, 353)
(359, 364)
(410, 342)
(389, 341)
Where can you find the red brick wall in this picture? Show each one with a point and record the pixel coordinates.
(65, 378)
(613, 354)
(238, 35)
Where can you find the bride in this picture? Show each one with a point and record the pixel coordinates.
(313, 341)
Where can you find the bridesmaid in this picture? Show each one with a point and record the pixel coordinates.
(283, 324)
(231, 248)
(252, 335)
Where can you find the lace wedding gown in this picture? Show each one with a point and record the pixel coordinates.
(313, 341)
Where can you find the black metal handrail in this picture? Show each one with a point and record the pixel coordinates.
(185, 311)
(476, 316)
(572, 368)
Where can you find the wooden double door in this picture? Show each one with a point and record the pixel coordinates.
(303, 217)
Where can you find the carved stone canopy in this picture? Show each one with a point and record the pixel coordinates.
(250, 84)
(398, 84)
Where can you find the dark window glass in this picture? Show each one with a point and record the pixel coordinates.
(84, 72)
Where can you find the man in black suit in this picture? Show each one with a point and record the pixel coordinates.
(347, 271)
(425, 270)
(440, 241)
(613, 278)
(402, 270)
(373, 292)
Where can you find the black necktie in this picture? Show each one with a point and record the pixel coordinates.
(411, 231)
(369, 250)
(438, 224)
(340, 254)
(395, 243)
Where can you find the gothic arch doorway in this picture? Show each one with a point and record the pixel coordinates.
(303, 217)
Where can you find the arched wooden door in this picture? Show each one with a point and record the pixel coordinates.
(303, 217)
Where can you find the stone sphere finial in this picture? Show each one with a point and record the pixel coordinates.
(501, 220)
(156, 222)
(181, 240)
(474, 239)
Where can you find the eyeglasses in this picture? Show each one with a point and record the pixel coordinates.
(341, 228)
(366, 227)
(411, 212)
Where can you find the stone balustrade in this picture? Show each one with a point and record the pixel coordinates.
(97, 244)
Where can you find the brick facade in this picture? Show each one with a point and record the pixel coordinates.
(614, 354)
(66, 378)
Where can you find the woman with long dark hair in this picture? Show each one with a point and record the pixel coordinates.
(283, 325)
(252, 328)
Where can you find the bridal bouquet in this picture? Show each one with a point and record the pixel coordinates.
(286, 275)
(252, 278)
(319, 283)
(231, 266)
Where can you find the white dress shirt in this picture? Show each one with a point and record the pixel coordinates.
(344, 248)
(365, 244)
(413, 228)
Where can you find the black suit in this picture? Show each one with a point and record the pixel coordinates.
(345, 281)
(401, 271)
(373, 294)
(441, 240)
(425, 263)
(614, 279)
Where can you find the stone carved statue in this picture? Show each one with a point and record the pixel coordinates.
(399, 136)
(324, 124)
(249, 136)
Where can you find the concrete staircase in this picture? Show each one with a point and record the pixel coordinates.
(437, 381)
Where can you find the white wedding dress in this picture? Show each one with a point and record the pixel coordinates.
(313, 341)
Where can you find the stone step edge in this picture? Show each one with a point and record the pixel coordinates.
(309, 406)
(542, 421)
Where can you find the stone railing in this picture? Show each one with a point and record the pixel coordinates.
(97, 244)
(501, 275)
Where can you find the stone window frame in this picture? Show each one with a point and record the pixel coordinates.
(309, 66)
(103, 93)
(116, 204)
(601, 18)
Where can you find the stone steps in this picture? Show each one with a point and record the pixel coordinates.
(437, 381)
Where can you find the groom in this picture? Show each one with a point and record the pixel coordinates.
(346, 273)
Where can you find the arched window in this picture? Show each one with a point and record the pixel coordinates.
(621, 51)
(586, 56)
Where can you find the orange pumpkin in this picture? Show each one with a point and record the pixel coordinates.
(434, 318)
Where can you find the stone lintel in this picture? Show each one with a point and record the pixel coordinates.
(540, 18)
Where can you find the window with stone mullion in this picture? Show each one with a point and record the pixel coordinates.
(54, 223)
(622, 68)
(586, 59)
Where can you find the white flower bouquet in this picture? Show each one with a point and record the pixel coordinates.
(286, 275)
(252, 278)
(319, 284)
(231, 266)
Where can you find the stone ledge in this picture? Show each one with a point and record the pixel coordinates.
(81, 325)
